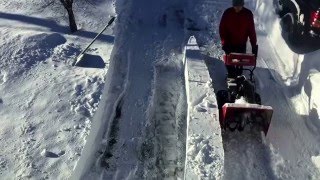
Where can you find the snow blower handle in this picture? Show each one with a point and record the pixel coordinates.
(239, 59)
(255, 50)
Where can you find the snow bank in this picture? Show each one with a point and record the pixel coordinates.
(102, 121)
(306, 82)
(45, 105)
(314, 97)
(205, 152)
(270, 23)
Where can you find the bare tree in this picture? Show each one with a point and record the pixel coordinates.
(72, 21)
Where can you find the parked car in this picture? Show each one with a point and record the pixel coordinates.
(299, 17)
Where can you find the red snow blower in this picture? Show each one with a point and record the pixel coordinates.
(240, 105)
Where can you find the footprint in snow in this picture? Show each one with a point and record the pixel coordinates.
(210, 104)
(49, 154)
(2, 78)
(78, 89)
(200, 108)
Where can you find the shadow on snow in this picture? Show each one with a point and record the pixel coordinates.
(91, 61)
(54, 27)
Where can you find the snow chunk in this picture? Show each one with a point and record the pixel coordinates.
(241, 101)
(316, 161)
(3, 77)
(49, 154)
(202, 157)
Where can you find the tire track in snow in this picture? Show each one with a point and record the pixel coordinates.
(167, 128)
(129, 153)
(247, 156)
(112, 140)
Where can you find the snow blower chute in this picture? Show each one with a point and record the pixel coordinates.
(240, 105)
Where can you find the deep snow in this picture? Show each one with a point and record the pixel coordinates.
(151, 111)
(46, 106)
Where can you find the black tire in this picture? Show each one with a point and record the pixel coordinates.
(289, 24)
(222, 98)
(294, 35)
(257, 98)
(281, 10)
(248, 91)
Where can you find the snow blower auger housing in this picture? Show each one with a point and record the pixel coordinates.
(240, 105)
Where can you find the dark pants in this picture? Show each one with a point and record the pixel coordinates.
(234, 71)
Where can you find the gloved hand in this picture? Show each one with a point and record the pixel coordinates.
(255, 50)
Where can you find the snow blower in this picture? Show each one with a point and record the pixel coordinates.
(240, 105)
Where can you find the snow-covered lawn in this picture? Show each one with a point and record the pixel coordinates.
(46, 105)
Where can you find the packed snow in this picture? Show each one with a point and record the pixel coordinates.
(142, 105)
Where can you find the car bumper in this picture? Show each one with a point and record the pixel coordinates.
(314, 33)
(316, 24)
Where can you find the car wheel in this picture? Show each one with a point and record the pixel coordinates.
(257, 98)
(290, 26)
(280, 9)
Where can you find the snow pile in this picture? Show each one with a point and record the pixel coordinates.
(305, 81)
(19, 58)
(242, 100)
(270, 23)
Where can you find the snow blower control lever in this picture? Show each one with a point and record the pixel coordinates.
(240, 59)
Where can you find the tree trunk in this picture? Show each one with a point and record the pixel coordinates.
(72, 21)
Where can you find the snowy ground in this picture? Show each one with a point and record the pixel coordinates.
(147, 113)
(46, 106)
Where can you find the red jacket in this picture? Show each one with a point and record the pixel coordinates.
(235, 28)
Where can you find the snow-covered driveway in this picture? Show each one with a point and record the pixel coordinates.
(146, 133)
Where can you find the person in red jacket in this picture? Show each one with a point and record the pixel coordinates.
(236, 26)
